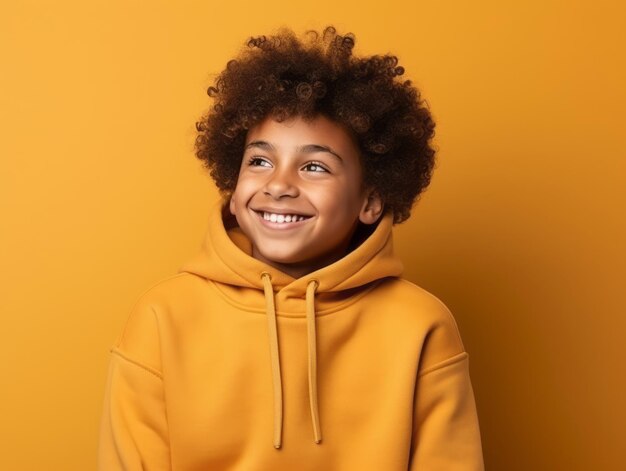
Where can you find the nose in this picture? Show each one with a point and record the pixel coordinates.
(281, 184)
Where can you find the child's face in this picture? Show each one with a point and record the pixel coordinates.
(314, 197)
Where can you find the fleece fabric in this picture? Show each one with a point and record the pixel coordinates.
(233, 365)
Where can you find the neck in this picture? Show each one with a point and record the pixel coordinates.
(299, 269)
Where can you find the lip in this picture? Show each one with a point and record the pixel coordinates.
(280, 211)
(279, 225)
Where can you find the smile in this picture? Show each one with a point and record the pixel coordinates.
(281, 220)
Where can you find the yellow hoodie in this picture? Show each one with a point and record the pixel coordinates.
(233, 365)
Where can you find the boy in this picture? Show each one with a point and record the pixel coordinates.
(316, 154)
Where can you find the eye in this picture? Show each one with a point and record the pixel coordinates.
(316, 167)
(258, 162)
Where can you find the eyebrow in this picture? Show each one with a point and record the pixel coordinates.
(306, 149)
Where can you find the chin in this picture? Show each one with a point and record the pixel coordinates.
(281, 256)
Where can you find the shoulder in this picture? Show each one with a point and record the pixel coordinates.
(415, 301)
(425, 315)
(139, 337)
(169, 289)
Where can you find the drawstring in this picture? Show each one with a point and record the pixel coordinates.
(278, 388)
(310, 318)
(275, 358)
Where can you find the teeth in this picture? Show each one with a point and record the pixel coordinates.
(282, 218)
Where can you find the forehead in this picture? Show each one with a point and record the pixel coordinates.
(296, 132)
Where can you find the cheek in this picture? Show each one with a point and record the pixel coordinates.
(252, 178)
(337, 200)
(244, 188)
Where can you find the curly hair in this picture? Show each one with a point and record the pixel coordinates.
(283, 76)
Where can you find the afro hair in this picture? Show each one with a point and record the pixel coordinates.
(284, 76)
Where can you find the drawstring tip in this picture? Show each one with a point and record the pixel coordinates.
(277, 446)
(318, 440)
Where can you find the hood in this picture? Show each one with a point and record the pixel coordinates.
(225, 257)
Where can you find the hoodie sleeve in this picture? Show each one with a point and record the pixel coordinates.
(446, 433)
(133, 428)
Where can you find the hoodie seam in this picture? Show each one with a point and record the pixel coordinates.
(128, 359)
(459, 357)
(338, 307)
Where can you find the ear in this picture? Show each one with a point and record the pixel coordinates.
(372, 208)
(231, 205)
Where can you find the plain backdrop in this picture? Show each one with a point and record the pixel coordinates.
(521, 232)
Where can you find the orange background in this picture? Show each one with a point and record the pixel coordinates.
(519, 232)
